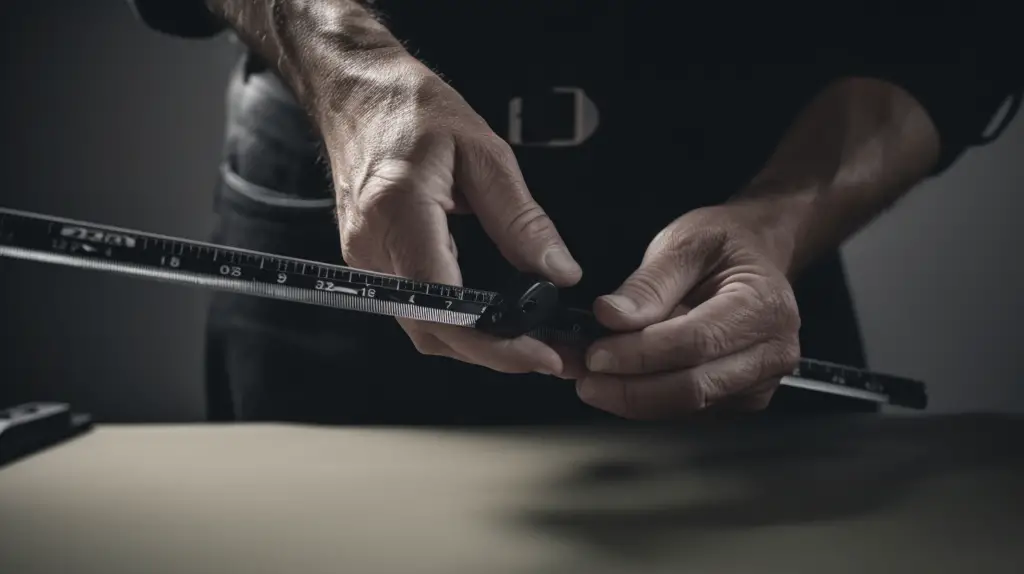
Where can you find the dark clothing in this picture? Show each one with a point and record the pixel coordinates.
(727, 106)
(185, 18)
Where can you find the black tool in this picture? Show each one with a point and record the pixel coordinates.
(29, 428)
(528, 308)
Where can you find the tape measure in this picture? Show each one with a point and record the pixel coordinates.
(529, 307)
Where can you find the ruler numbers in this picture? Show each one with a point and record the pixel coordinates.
(172, 253)
(181, 256)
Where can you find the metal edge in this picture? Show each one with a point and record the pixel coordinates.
(833, 389)
(258, 288)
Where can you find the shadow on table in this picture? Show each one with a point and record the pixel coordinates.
(788, 473)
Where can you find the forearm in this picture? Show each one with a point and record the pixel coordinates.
(321, 48)
(858, 147)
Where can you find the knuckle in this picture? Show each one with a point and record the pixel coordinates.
(427, 344)
(475, 160)
(759, 366)
(789, 356)
(494, 169)
(710, 240)
(778, 359)
(379, 189)
(687, 244)
(630, 402)
(425, 171)
(499, 149)
(501, 355)
(781, 304)
(646, 360)
(366, 225)
(648, 285)
(506, 355)
(489, 147)
(746, 321)
(708, 386)
(656, 353)
(490, 154)
(353, 234)
(531, 222)
(709, 340)
(361, 241)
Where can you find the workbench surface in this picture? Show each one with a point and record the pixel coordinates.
(863, 494)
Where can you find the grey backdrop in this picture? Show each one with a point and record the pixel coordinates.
(105, 121)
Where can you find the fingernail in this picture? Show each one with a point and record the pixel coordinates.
(558, 260)
(601, 361)
(621, 303)
(585, 390)
(550, 368)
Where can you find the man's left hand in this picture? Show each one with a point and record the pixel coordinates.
(709, 319)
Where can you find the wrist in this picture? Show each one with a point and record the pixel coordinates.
(853, 150)
(373, 107)
(332, 50)
(778, 219)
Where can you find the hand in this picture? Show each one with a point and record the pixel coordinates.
(709, 319)
(407, 151)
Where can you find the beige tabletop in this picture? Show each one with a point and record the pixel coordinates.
(862, 495)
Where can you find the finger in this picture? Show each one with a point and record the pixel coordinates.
(573, 363)
(437, 347)
(522, 355)
(681, 393)
(439, 265)
(723, 325)
(757, 399)
(402, 218)
(398, 213)
(426, 343)
(459, 204)
(420, 246)
(672, 267)
(490, 180)
(519, 355)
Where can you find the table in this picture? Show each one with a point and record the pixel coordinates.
(864, 494)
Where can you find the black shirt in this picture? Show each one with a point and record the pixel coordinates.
(955, 57)
(674, 105)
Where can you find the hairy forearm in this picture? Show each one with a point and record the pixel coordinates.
(852, 153)
(321, 48)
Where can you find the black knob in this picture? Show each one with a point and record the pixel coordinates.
(526, 304)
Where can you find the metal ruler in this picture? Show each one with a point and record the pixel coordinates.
(528, 308)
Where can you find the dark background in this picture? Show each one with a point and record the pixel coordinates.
(106, 121)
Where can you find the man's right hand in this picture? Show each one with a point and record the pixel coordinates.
(407, 151)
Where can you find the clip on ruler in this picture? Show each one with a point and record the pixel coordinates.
(530, 308)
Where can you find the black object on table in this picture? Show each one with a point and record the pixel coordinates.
(31, 427)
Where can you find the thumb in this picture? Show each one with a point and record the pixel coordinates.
(489, 178)
(653, 292)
